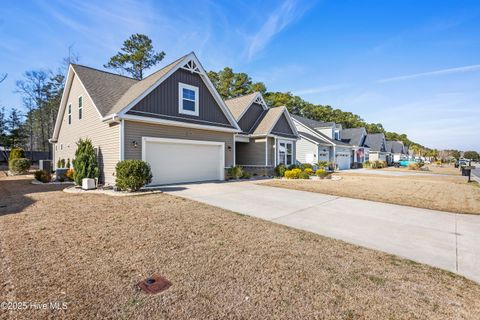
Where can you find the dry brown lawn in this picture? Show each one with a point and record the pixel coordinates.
(444, 193)
(432, 168)
(90, 251)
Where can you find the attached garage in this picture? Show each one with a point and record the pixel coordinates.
(343, 160)
(181, 160)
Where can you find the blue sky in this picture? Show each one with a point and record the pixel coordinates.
(412, 65)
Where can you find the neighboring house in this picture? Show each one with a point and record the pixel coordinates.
(268, 135)
(377, 146)
(397, 149)
(355, 137)
(174, 119)
(321, 141)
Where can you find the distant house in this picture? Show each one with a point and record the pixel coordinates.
(397, 150)
(268, 136)
(376, 144)
(321, 141)
(355, 137)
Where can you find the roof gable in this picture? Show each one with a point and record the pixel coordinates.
(270, 120)
(375, 141)
(239, 106)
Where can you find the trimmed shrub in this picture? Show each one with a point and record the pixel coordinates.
(321, 173)
(279, 170)
(245, 175)
(235, 172)
(16, 153)
(43, 176)
(308, 171)
(304, 175)
(366, 164)
(19, 165)
(131, 175)
(85, 164)
(69, 174)
(304, 166)
(293, 166)
(293, 174)
(68, 164)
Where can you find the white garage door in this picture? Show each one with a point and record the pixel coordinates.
(343, 160)
(178, 160)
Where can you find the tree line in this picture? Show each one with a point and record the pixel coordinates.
(42, 90)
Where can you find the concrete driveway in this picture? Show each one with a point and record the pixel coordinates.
(444, 240)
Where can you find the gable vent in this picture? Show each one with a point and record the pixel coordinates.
(191, 66)
(260, 101)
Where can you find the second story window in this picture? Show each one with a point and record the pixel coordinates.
(80, 108)
(69, 114)
(188, 99)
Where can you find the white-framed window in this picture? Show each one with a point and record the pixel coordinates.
(61, 146)
(285, 152)
(80, 108)
(337, 135)
(188, 99)
(69, 114)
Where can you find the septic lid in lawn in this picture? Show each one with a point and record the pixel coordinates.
(154, 284)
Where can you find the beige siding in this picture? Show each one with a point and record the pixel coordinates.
(134, 131)
(305, 147)
(104, 137)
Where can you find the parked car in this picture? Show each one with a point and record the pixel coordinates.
(403, 163)
(461, 162)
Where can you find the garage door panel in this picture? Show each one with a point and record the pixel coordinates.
(173, 162)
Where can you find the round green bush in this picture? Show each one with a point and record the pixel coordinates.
(303, 175)
(279, 170)
(131, 175)
(43, 176)
(16, 153)
(235, 172)
(19, 165)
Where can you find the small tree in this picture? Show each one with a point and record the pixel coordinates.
(16, 153)
(136, 56)
(85, 162)
(471, 155)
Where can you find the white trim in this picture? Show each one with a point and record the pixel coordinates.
(286, 142)
(266, 152)
(234, 151)
(316, 133)
(181, 110)
(122, 140)
(185, 141)
(275, 151)
(203, 76)
(177, 123)
(80, 108)
(169, 116)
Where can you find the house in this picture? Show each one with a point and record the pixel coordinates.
(397, 149)
(174, 119)
(355, 137)
(321, 141)
(376, 144)
(268, 135)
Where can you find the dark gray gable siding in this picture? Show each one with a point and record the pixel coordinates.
(162, 102)
(282, 127)
(253, 113)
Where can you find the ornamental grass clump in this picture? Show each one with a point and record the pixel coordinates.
(235, 172)
(321, 173)
(85, 163)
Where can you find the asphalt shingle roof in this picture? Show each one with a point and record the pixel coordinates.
(395, 147)
(353, 136)
(313, 123)
(268, 121)
(239, 104)
(375, 141)
(111, 92)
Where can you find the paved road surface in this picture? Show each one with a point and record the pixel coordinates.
(444, 240)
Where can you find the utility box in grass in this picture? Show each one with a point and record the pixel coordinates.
(88, 184)
(45, 165)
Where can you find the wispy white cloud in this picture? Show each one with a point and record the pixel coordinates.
(287, 13)
(320, 89)
(470, 68)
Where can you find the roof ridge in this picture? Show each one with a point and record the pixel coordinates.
(104, 71)
(173, 62)
(245, 95)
